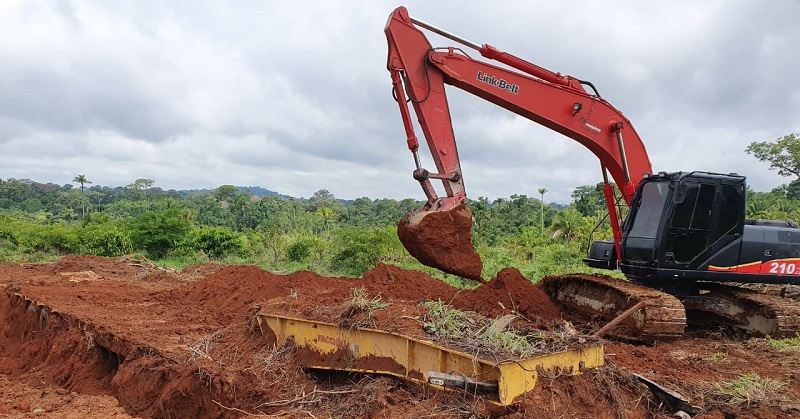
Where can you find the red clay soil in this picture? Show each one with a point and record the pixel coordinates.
(442, 240)
(136, 340)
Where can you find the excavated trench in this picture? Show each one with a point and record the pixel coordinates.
(81, 357)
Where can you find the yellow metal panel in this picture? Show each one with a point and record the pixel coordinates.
(514, 377)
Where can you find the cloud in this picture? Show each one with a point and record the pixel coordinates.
(295, 96)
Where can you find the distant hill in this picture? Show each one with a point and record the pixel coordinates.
(259, 191)
(255, 190)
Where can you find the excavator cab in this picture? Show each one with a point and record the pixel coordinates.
(680, 222)
(676, 221)
(689, 227)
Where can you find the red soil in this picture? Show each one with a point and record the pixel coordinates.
(442, 240)
(136, 340)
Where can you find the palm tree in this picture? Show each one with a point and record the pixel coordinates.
(542, 191)
(327, 215)
(567, 223)
(757, 206)
(82, 180)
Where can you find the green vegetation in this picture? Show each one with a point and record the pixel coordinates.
(43, 221)
(786, 343)
(783, 154)
(444, 320)
(750, 388)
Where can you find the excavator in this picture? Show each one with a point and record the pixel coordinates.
(684, 244)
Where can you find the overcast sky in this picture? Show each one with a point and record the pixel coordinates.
(294, 96)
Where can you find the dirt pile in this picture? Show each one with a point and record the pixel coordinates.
(510, 292)
(177, 346)
(442, 240)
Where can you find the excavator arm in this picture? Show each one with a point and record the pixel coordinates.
(559, 102)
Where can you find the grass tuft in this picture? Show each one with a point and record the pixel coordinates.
(492, 335)
(444, 320)
(750, 388)
(785, 344)
(361, 302)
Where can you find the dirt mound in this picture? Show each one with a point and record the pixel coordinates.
(406, 284)
(104, 267)
(509, 292)
(442, 240)
(34, 399)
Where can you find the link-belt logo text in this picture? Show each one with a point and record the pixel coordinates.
(499, 83)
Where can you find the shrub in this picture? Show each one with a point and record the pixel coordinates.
(357, 250)
(300, 249)
(216, 242)
(105, 240)
(58, 238)
(158, 233)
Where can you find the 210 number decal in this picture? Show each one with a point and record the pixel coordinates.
(783, 268)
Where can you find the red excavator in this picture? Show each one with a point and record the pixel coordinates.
(684, 245)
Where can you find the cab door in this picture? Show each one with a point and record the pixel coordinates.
(686, 242)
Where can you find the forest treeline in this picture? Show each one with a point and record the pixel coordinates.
(41, 221)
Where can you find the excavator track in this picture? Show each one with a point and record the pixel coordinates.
(755, 312)
(662, 316)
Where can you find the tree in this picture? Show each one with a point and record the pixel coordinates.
(141, 186)
(567, 223)
(270, 236)
(323, 194)
(327, 215)
(783, 154)
(321, 198)
(224, 193)
(82, 180)
(542, 191)
(15, 190)
(757, 205)
(792, 190)
(589, 199)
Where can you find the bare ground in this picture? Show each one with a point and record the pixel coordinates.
(96, 337)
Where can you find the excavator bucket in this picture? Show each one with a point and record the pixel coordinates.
(442, 240)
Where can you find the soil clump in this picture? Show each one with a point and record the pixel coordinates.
(442, 240)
